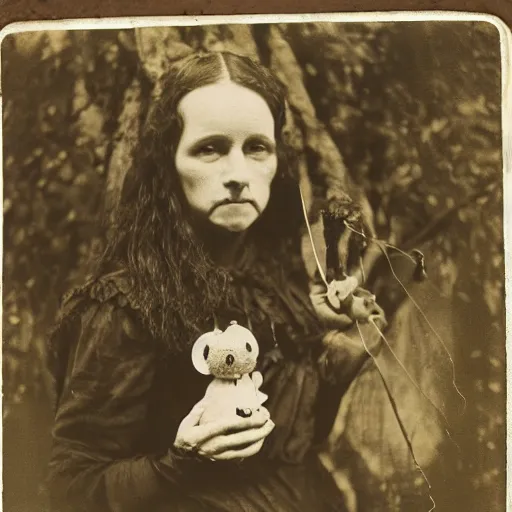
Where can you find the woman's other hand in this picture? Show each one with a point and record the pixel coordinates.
(361, 307)
(226, 439)
(325, 312)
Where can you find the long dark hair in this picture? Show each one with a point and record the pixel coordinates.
(175, 281)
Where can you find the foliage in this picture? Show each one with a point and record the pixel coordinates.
(405, 117)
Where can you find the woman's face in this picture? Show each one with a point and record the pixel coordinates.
(226, 158)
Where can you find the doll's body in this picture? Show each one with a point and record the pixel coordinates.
(230, 357)
(227, 397)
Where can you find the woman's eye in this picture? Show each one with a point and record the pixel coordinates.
(208, 153)
(257, 148)
(207, 150)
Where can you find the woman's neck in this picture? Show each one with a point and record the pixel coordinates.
(221, 245)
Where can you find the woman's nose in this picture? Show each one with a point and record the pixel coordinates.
(236, 173)
(236, 187)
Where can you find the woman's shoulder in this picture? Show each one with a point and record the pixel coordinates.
(116, 285)
(97, 317)
(104, 300)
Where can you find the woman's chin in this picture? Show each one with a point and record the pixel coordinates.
(234, 224)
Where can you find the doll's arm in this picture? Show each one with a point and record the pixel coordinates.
(257, 379)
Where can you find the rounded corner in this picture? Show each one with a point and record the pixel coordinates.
(498, 23)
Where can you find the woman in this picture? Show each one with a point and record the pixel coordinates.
(208, 231)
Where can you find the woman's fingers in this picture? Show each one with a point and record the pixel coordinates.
(223, 435)
(230, 442)
(249, 451)
(318, 289)
(203, 433)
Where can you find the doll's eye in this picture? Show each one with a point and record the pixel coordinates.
(206, 351)
(248, 347)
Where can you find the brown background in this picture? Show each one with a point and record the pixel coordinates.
(25, 10)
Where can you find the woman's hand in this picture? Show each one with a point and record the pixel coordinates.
(361, 307)
(325, 312)
(225, 439)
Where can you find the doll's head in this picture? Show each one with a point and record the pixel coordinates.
(226, 354)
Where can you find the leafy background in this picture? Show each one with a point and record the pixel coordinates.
(405, 116)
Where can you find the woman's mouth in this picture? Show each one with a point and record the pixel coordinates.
(235, 202)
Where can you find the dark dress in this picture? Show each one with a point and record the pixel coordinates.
(123, 396)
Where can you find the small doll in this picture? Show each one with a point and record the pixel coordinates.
(229, 356)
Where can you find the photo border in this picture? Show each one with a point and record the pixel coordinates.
(132, 22)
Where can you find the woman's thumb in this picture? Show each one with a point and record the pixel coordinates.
(194, 416)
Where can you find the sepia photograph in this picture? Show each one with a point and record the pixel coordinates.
(254, 264)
